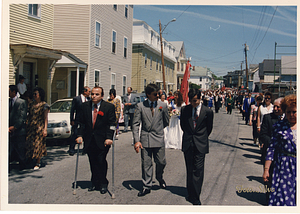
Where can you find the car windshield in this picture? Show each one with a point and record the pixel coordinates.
(61, 106)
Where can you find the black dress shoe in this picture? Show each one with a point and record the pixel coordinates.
(162, 184)
(196, 202)
(71, 153)
(193, 201)
(144, 192)
(103, 190)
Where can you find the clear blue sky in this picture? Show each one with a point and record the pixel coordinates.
(214, 36)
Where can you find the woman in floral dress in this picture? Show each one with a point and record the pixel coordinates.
(282, 151)
(36, 127)
(173, 132)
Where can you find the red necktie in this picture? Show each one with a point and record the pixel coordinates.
(95, 114)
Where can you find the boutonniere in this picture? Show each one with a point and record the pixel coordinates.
(160, 108)
(101, 113)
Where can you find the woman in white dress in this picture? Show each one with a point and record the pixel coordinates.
(173, 133)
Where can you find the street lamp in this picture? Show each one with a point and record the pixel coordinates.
(162, 53)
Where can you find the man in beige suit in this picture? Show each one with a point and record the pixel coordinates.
(153, 117)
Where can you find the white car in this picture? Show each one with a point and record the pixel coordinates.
(59, 126)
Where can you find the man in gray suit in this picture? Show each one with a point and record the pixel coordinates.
(16, 129)
(153, 117)
(129, 102)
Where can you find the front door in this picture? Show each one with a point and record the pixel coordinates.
(74, 82)
(28, 74)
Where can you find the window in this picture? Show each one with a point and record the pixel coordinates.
(114, 41)
(145, 60)
(126, 11)
(34, 10)
(178, 65)
(159, 66)
(124, 84)
(156, 65)
(97, 78)
(97, 34)
(145, 83)
(113, 81)
(172, 72)
(150, 62)
(158, 40)
(200, 79)
(181, 66)
(125, 47)
(115, 7)
(152, 35)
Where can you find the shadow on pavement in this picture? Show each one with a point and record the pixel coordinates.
(82, 184)
(133, 184)
(256, 178)
(236, 147)
(251, 156)
(258, 197)
(138, 185)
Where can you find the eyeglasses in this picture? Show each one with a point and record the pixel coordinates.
(291, 112)
(97, 94)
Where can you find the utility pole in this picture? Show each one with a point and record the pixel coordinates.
(162, 57)
(240, 76)
(246, 47)
(275, 63)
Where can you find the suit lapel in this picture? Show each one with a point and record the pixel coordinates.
(148, 111)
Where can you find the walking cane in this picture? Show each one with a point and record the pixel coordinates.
(75, 182)
(113, 166)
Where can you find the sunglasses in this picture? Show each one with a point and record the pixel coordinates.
(267, 98)
(97, 94)
(35, 94)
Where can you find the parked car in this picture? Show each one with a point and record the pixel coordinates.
(59, 126)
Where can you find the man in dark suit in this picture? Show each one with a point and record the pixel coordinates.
(75, 109)
(196, 121)
(247, 107)
(129, 102)
(17, 129)
(96, 128)
(265, 136)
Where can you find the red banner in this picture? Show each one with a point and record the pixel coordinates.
(184, 89)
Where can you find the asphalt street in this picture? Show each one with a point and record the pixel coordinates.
(233, 173)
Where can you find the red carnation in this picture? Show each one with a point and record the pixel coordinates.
(160, 108)
(101, 113)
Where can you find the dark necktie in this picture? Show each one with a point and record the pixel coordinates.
(95, 114)
(152, 109)
(195, 117)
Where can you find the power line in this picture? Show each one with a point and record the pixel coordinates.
(183, 12)
(265, 32)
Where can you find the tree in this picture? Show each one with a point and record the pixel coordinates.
(192, 85)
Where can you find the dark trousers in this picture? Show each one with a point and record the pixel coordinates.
(247, 116)
(126, 117)
(73, 137)
(17, 149)
(98, 164)
(217, 107)
(194, 162)
(229, 109)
